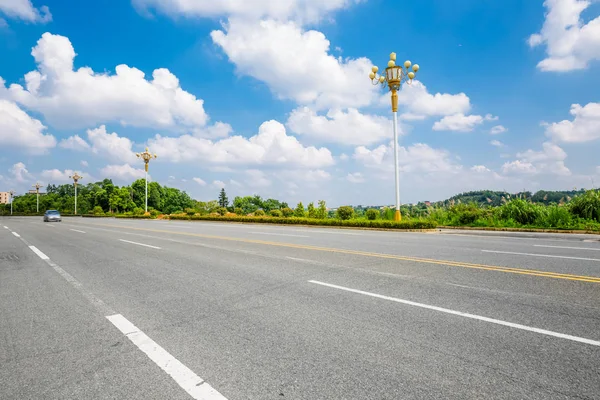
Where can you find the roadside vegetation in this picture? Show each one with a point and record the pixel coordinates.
(572, 210)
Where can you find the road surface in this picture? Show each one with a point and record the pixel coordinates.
(136, 309)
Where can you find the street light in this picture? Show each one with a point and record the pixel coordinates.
(75, 178)
(394, 77)
(146, 156)
(11, 194)
(37, 187)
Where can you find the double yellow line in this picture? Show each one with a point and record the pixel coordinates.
(521, 271)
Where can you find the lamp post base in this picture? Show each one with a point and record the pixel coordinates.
(397, 216)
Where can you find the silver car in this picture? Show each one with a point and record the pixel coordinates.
(52, 215)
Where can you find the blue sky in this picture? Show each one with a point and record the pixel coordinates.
(273, 98)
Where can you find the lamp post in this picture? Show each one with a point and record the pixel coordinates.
(11, 194)
(76, 179)
(37, 187)
(394, 77)
(146, 156)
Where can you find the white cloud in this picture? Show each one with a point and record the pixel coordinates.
(199, 181)
(301, 10)
(419, 103)
(350, 127)
(219, 184)
(20, 173)
(74, 143)
(123, 172)
(25, 11)
(84, 163)
(480, 168)
(257, 178)
(343, 157)
(18, 129)
(584, 127)
(550, 160)
(461, 122)
(56, 175)
(498, 129)
(497, 143)
(519, 167)
(79, 98)
(418, 157)
(355, 177)
(233, 182)
(570, 43)
(270, 146)
(296, 64)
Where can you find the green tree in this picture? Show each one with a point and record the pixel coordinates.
(345, 212)
(287, 212)
(312, 211)
(223, 200)
(322, 210)
(372, 214)
(299, 210)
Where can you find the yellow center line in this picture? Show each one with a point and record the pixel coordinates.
(521, 271)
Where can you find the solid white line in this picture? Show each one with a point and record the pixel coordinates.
(190, 382)
(463, 314)
(6, 227)
(16, 234)
(565, 247)
(139, 244)
(39, 253)
(277, 234)
(540, 255)
(75, 230)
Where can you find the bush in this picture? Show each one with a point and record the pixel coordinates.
(276, 213)
(222, 210)
(238, 211)
(345, 212)
(259, 213)
(372, 214)
(190, 211)
(521, 211)
(287, 212)
(138, 211)
(154, 213)
(587, 206)
(97, 210)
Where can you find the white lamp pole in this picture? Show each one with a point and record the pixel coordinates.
(146, 156)
(394, 77)
(11, 193)
(37, 187)
(76, 177)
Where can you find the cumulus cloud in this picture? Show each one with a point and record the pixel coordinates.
(584, 127)
(56, 175)
(271, 146)
(498, 129)
(296, 64)
(74, 142)
(219, 184)
(497, 143)
(124, 172)
(108, 145)
(350, 127)
(480, 168)
(72, 98)
(461, 123)
(549, 160)
(300, 10)
(20, 173)
(257, 178)
(418, 103)
(19, 130)
(84, 163)
(25, 11)
(199, 181)
(518, 167)
(355, 177)
(570, 43)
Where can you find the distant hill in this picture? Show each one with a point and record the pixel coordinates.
(494, 198)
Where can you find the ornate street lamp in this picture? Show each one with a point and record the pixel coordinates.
(11, 195)
(76, 179)
(146, 156)
(37, 187)
(393, 78)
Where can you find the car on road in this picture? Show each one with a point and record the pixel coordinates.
(52, 215)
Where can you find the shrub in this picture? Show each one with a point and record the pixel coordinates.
(287, 212)
(587, 205)
(138, 211)
(238, 211)
(276, 213)
(154, 213)
(521, 211)
(222, 210)
(372, 214)
(345, 212)
(97, 210)
(190, 211)
(259, 213)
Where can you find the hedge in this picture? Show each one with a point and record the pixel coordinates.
(135, 216)
(408, 224)
(97, 216)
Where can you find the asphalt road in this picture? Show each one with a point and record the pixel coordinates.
(133, 309)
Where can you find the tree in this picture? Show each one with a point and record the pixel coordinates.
(312, 211)
(372, 214)
(299, 211)
(223, 200)
(322, 210)
(345, 212)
